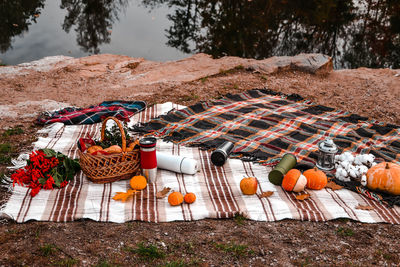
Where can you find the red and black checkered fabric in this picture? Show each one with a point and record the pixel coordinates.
(264, 125)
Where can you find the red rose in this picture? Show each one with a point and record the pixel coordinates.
(35, 191)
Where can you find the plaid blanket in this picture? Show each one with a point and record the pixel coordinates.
(217, 190)
(264, 125)
(94, 114)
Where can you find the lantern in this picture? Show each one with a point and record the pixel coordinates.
(326, 155)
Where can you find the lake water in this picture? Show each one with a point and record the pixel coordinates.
(355, 33)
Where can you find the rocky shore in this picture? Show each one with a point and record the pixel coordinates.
(59, 81)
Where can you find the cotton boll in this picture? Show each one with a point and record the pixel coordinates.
(350, 157)
(343, 173)
(353, 173)
(342, 157)
(363, 169)
(345, 179)
(364, 180)
(374, 163)
(337, 158)
(345, 164)
(358, 159)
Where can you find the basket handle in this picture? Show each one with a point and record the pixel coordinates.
(121, 129)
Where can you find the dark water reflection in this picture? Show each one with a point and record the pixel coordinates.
(356, 33)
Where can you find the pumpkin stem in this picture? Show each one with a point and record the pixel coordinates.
(387, 166)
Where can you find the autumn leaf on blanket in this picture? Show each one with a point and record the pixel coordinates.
(303, 196)
(163, 193)
(124, 196)
(364, 207)
(332, 185)
(267, 194)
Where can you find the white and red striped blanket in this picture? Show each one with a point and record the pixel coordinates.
(217, 190)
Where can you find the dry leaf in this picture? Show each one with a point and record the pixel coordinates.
(163, 193)
(303, 196)
(267, 194)
(332, 185)
(36, 15)
(364, 207)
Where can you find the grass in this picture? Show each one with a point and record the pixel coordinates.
(226, 72)
(204, 79)
(236, 250)
(67, 262)
(386, 256)
(239, 219)
(147, 252)
(47, 249)
(5, 151)
(345, 231)
(13, 131)
(189, 97)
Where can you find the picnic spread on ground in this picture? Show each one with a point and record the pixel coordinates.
(260, 154)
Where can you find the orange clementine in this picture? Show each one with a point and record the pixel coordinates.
(190, 198)
(138, 182)
(175, 198)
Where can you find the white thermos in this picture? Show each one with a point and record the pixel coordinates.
(176, 163)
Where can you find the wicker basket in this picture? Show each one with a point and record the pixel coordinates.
(110, 168)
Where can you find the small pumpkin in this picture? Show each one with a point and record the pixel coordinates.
(113, 149)
(190, 198)
(175, 198)
(138, 182)
(316, 179)
(385, 177)
(248, 185)
(294, 181)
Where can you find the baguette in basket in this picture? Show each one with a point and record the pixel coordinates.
(110, 164)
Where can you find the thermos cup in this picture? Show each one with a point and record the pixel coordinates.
(148, 158)
(287, 162)
(176, 163)
(221, 154)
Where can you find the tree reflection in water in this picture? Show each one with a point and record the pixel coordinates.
(93, 20)
(354, 32)
(365, 33)
(15, 18)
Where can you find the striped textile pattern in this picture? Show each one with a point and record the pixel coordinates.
(264, 126)
(94, 114)
(217, 190)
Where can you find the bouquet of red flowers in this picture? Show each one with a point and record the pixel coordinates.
(46, 169)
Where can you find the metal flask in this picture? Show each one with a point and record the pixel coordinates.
(326, 155)
(287, 163)
(221, 154)
(148, 158)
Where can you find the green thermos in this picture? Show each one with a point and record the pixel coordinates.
(287, 162)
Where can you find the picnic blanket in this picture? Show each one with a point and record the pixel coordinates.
(264, 125)
(94, 114)
(217, 190)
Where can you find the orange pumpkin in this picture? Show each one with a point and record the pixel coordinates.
(316, 179)
(190, 198)
(385, 177)
(138, 182)
(175, 198)
(248, 185)
(294, 181)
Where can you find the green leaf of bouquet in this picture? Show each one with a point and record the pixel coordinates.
(42, 181)
(49, 152)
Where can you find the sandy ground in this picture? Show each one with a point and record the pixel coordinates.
(234, 242)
